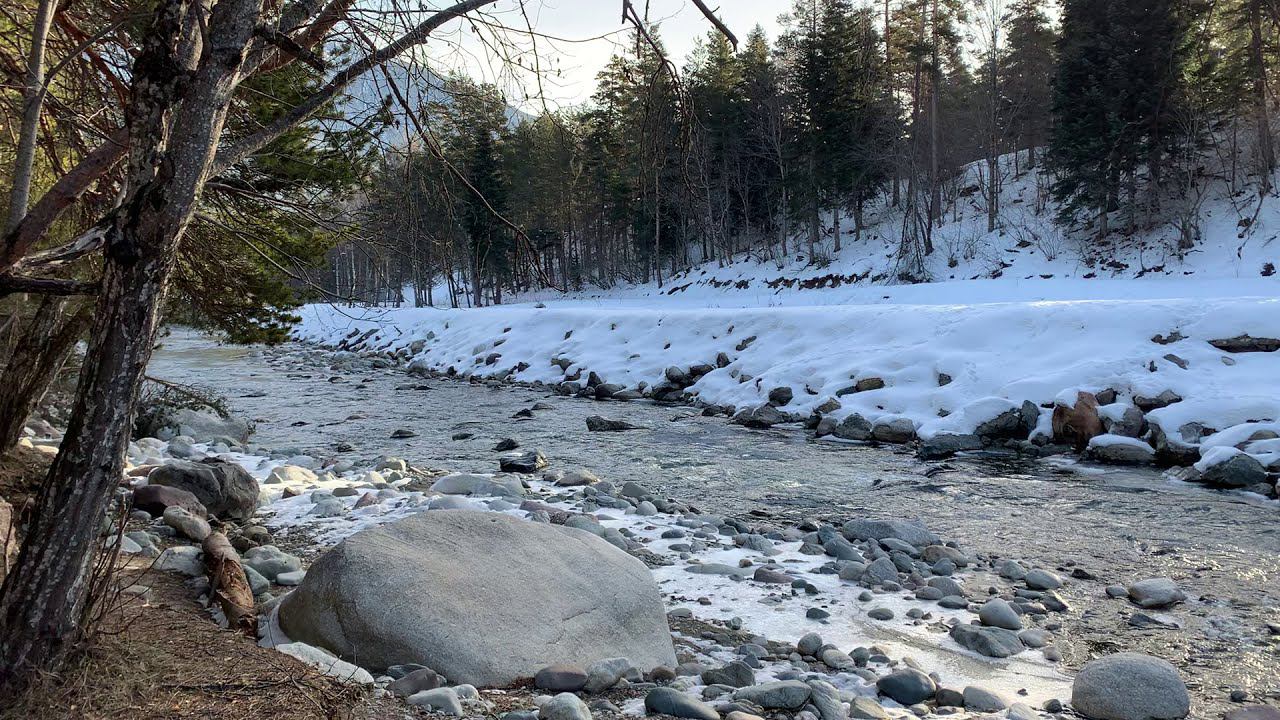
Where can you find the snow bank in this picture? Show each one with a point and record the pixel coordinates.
(995, 354)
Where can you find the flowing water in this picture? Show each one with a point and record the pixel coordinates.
(1119, 525)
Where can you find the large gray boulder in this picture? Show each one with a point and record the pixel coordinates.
(224, 488)
(482, 598)
(1130, 686)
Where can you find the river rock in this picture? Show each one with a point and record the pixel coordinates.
(864, 708)
(736, 674)
(980, 700)
(1237, 470)
(907, 686)
(1042, 580)
(853, 427)
(155, 499)
(526, 462)
(826, 698)
(201, 426)
(668, 701)
(466, 484)
(910, 532)
(761, 417)
(596, 423)
(989, 641)
(442, 700)
(779, 695)
(190, 525)
(416, 681)
(1130, 686)
(999, 613)
(565, 706)
(290, 474)
(894, 430)
(224, 488)
(604, 674)
(495, 599)
(560, 678)
(945, 445)
(1120, 450)
(1155, 593)
(272, 562)
(880, 571)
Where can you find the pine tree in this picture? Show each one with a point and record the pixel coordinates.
(1026, 76)
(1116, 99)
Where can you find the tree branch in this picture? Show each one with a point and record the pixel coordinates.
(10, 284)
(241, 149)
(724, 30)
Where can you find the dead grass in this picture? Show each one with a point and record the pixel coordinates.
(168, 659)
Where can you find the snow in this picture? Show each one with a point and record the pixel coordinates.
(997, 354)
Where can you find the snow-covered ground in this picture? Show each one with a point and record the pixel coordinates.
(1025, 313)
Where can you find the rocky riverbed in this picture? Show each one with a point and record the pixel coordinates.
(1095, 529)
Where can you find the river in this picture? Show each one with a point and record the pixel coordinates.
(1119, 525)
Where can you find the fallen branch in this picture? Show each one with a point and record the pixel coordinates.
(228, 585)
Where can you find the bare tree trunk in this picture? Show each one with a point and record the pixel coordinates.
(38, 356)
(1266, 149)
(44, 599)
(935, 187)
(33, 98)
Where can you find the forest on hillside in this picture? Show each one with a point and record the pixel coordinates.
(1126, 112)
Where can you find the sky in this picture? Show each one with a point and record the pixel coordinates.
(583, 35)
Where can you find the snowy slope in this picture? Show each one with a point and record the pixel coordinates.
(1029, 257)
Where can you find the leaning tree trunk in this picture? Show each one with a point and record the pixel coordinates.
(44, 599)
(38, 356)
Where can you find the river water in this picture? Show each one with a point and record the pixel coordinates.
(1119, 525)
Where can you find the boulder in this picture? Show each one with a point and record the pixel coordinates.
(1079, 423)
(1130, 686)
(486, 598)
(224, 488)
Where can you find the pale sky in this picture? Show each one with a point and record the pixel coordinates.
(570, 62)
